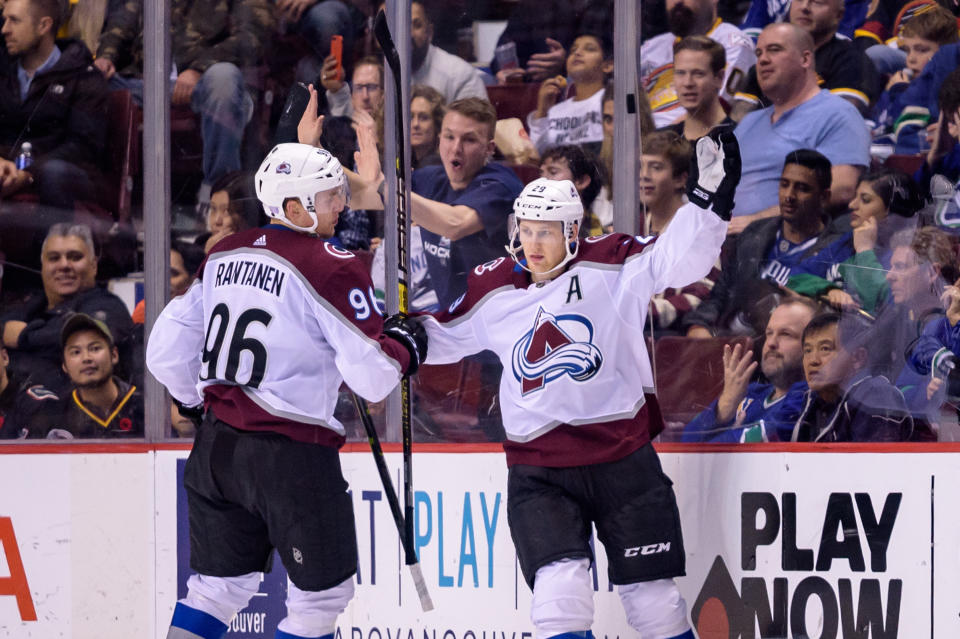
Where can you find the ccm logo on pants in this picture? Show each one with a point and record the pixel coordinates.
(649, 549)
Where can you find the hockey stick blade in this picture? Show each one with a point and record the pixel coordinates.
(410, 555)
(425, 602)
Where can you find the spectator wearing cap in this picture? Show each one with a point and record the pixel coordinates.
(99, 404)
(31, 332)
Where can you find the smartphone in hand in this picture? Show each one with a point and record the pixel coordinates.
(336, 50)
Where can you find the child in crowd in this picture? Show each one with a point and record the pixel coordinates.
(664, 169)
(937, 349)
(571, 162)
(920, 38)
(940, 173)
(578, 119)
(603, 205)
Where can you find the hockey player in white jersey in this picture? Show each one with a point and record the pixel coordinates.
(263, 339)
(566, 320)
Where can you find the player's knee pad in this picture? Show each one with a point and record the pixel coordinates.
(314, 613)
(221, 597)
(562, 598)
(655, 609)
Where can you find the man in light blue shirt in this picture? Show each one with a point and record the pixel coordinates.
(25, 77)
(802, 116)
(52, 98)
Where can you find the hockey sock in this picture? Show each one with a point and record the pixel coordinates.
(190, 623)
(686, 635)
(286, 635)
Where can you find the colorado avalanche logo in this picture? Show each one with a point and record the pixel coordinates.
(557, 345)
(284, 167)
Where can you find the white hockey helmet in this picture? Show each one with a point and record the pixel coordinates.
(298, 171)
(549, 201)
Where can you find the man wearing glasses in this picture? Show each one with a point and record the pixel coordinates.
(363, 93)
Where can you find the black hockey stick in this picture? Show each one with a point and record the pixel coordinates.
(409, 552)
(382, 33)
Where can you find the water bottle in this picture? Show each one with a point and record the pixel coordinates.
(25, 157)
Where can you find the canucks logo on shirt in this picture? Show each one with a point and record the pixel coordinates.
(555, 346)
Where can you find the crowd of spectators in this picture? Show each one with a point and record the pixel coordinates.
(841, 258)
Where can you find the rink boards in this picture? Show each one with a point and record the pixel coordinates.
(94, 544)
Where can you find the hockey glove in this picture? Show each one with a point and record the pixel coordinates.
(715, 172)
(409, 332)
(193, 413)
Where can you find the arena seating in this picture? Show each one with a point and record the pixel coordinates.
(513, 100)
(689, 375)
(123, 152)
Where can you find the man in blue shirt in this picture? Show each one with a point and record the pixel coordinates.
(801, 116)
(462, 206)
(756, 411)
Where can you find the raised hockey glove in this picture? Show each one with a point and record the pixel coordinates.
(715, 172)
(409, 332)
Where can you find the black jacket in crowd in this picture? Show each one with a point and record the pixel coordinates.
(21, 403)
(871, 410)
(64, 115)
(739, 288)
(38, 355)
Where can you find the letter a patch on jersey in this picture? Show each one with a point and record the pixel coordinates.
(574, 289)
(555, 346)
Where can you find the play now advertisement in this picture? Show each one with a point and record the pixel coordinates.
(844, 545)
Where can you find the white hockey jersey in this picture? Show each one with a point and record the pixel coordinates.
(656, 69)
(577, 386)
(265, 337)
